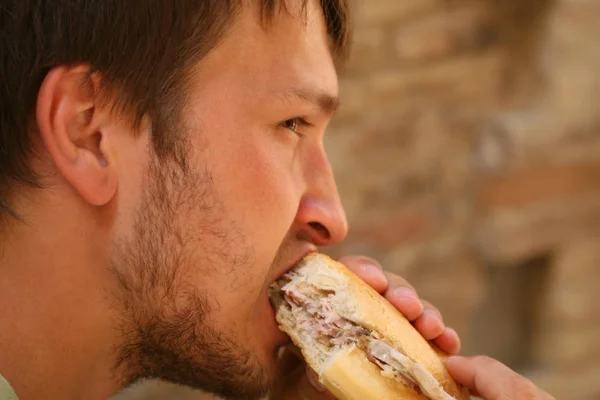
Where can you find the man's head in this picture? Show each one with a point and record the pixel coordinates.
(177, 148)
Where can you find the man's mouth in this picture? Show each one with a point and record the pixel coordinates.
(292, 265)
(285, 340)
(279, 275)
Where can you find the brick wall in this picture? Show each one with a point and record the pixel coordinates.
(468, 157)
(467, 152)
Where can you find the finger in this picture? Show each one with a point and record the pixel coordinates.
(368, 270)
(398, 281)
(434, 309)
(403, 296)
(491, 379)
(448, 341)
(429, 324)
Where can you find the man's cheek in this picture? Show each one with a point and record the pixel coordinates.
(275, 208)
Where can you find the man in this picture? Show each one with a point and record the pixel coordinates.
(161, 164)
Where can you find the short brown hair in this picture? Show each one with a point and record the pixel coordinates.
(142, 48)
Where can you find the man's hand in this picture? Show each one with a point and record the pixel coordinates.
(484, 377)
(492, 380)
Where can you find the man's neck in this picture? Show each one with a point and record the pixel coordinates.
(56, 335)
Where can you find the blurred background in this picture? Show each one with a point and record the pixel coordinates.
(467, 153)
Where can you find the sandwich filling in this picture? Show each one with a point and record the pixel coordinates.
(313, 313)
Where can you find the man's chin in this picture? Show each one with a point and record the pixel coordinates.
(279, 367)
(221, 367)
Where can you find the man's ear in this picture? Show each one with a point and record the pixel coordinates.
(72, 125)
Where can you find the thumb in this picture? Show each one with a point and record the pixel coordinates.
(492, 380)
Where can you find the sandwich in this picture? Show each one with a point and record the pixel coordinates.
(357, 343)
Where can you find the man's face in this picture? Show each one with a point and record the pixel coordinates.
(251, 194)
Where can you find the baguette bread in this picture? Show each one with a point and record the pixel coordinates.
(358, 344)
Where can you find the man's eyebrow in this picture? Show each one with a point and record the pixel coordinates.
(325, 101)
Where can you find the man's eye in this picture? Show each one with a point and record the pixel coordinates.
(293, 124)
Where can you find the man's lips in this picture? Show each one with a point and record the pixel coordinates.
(292, 265)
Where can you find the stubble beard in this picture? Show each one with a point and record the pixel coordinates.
(165, 322)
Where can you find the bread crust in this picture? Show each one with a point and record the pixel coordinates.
(356, 301)
(349, 375)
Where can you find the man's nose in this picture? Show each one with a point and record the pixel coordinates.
(321, 216)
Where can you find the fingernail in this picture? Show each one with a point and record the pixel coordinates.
(454, 359)
(370, 268)
(433, 313)
(406, 293)
(452, 330)
(374, 270)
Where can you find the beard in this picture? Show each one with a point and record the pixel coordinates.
(165, 322)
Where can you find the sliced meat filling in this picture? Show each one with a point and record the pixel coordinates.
(313, 310)
(314, 313)
(397, 365)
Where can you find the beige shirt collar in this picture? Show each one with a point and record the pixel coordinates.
(6, 391)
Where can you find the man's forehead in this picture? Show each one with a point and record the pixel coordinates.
(290, 60)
